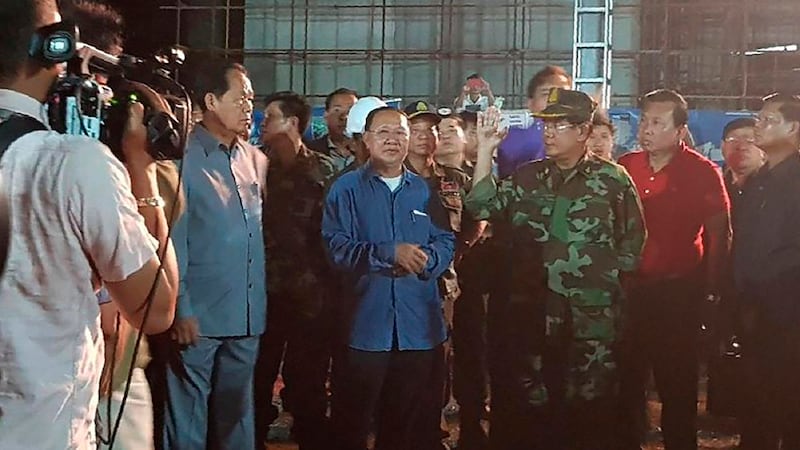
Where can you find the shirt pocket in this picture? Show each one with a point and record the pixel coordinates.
(454, 206)
(419, 226)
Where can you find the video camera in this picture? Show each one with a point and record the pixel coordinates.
(80, 105)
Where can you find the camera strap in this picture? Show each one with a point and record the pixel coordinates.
(15, 127)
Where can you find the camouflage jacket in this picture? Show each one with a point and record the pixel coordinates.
(582, 228)
(298, 272)
(450, 185)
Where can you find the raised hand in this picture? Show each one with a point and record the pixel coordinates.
(490, 133)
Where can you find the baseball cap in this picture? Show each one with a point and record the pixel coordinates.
(357, 117)
(421, 108)
(574, 106)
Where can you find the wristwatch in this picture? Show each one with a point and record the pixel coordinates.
(152, 202)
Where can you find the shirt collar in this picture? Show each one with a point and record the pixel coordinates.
(436, 171)
(786, 169)
(304, 160)
(208, 142)
(370, 173)
(20, 103)
(583, 167)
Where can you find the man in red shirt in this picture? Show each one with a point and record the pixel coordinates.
(687, 215)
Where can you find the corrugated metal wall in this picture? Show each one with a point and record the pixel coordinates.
(421, 48)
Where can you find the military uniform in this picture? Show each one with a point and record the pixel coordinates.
(300, 285)
(470, 343)
(449, 184)
(574, 232)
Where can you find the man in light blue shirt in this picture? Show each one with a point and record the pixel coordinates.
(220, 246)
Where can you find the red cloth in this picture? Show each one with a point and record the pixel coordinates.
(677, 200)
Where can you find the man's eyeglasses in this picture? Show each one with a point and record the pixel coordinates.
(735, 140)
(557, 127)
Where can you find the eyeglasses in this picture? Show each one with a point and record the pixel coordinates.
(557, 127)
(735, 140)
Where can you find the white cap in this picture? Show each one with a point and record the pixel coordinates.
(357, 117)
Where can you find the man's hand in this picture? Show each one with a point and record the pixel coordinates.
(410, 258)
(490, 135)
(185, 331)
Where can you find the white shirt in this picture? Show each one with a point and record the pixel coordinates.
(74, 223)
(392, 183)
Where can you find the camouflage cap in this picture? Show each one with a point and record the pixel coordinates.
(421, 108)
(574, 106)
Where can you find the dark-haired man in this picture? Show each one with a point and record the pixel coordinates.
(523, 145)
(742, 157)
(51, 341)
(767, 274)
(298, 276)
(100, 25)
(379, 230)
(576, 229)
(335, 144)
(686, 210)
(220, 245)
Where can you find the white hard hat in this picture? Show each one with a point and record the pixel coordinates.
(357, 117)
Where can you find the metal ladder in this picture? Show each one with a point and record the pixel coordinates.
(591, 48)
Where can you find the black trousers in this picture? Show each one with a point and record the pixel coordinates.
(470, 353)
(389, 386)
(303, 345)
(662, 335)
(428, 429)
(770, 418)
(160, 346)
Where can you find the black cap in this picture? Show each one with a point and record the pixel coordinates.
(574, 106)
(421, 108)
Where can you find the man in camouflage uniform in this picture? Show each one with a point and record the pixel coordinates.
(449, 183)
(577, 228)
(298, 273)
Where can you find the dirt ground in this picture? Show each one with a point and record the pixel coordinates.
(714, 433)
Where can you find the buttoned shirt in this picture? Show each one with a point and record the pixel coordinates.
(678, 200)
(74, 224)
(219, 238)
(766, 244)
(298, 270)
(325, 146)
(363, 222)
(585, 227)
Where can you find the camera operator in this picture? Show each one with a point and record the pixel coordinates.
(75, 226)
(101, 26)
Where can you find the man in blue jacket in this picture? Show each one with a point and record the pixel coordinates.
(379, 231)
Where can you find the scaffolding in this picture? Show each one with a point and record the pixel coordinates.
(505, 41)
(707, 49)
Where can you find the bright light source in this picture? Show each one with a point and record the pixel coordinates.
(774, 49)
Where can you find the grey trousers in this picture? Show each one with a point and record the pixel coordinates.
(210, 396)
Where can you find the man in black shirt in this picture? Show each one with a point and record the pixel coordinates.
(767, 275)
